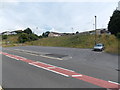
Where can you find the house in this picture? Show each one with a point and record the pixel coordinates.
(84, 33)
(18, 31)
(8, 33)
(104, 31)
(13, 33)
(54, 34)
(100, 31)
(97, 31)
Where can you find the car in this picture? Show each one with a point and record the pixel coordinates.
(99, 47)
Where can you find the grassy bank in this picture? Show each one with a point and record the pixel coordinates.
(75, 41)
(79, 41)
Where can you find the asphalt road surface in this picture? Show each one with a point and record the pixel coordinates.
(57, 67)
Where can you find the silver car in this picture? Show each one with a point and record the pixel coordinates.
(99, 47)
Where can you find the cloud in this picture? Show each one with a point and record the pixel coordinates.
(56, 16)
(59, 0)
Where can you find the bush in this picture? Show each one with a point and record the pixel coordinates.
(24, 37)
(118, 35)
(33, 37)
(28, 31)
(4, 37)
(114, 23)
(45, 34)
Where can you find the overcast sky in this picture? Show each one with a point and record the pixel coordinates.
(55, 16)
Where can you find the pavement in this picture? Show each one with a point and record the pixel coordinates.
(51, 67)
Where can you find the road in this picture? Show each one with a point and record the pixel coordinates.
(92, 69)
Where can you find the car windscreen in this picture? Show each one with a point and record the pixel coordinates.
(98, 45)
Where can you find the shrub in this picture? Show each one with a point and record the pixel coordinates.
(118, 35)
(33, 37)
(24, 37)
(4, 37)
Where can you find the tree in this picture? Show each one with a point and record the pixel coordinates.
(4, 36)
(18, 31)
(77, 32)
(45, 34)
(40, 36)
(28, 31)
(33, 37)
(118, 35)
(23, 38)
(114, 23)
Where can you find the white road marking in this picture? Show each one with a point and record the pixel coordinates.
(42, 63)
(53, 66)
(114, 82)
(49, 70)
(76, 75)
(12, 57)
(58, 73)
(66, 69)
(88, 79)
(51, 57)
(39, 55)
(27, 51)
(30, 53)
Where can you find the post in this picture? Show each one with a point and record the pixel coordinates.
(95, 30)
(72, 29)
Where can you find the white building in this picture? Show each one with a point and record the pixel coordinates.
(54, 34)
(118, 8)
(9, 33)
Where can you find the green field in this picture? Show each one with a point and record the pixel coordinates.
(74, 41)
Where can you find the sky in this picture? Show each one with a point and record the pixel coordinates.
(58, 16)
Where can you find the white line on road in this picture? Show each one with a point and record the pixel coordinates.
(50, 57)
(99, 82)
(76, 75)
(30, 53)
(114, 82)
(49, 70)
(54, 66)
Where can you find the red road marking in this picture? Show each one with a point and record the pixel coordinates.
(61, 70)
(42, 64)
(98, 82)
(27, 60)
(95, 81)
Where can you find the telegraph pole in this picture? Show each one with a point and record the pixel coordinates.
(95, 29)
(72, 29)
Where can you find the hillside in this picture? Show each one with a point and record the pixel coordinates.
(74, 41)
(79, 41)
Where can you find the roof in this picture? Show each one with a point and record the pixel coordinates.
(55, 33)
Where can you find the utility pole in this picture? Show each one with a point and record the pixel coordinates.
(93, 26)
(95, 29)
(72, 29)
